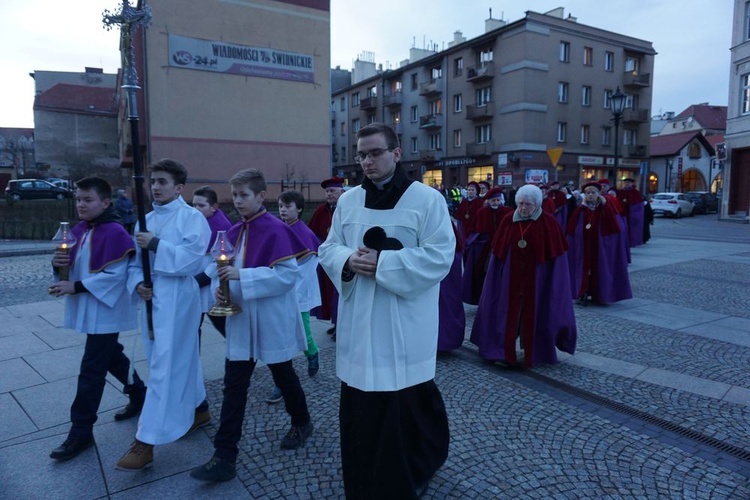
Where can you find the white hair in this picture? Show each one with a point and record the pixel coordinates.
(531, 193)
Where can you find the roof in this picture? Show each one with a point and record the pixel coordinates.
(670, 145)
(715, 139)
(714, 117)
(78, 99)
(17, 132)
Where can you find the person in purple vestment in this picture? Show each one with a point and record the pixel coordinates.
(597, 251)
(98, 305)
(526, 293)
(452, 324)
(632, 204)
(263, 280)
(206, 201)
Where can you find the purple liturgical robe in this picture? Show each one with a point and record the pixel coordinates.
(452, 324)
(108, 244)
(263, 230)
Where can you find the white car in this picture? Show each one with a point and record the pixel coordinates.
(674, 204)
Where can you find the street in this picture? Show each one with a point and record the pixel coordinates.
(654, 404)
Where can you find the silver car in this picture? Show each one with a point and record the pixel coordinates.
(674, 204)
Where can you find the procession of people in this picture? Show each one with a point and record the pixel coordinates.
(384, 262)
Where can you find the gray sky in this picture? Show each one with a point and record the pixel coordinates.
(692, 38)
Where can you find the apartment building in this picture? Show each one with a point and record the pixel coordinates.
(735, 199)
(491, 108)
(233, 85)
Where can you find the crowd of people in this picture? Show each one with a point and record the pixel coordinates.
(386, 263)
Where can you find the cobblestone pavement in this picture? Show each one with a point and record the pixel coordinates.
(24, 279)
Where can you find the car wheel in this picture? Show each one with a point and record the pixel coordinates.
(692, 212)
(59, 197)
(678, 213)
(15, 197)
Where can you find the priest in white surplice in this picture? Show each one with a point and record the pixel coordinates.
(176, 242)
(390, 245)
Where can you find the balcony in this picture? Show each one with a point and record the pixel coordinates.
(428, 155)
(637, 81)
(393, 100)
(480, 73)
(639, 115)
(480, 112)
(431, 121)
(480, 148)
(369, 103)
(432, 88)
(638, 151)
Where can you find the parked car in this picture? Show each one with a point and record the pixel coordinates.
(34, 189)
(61, 183)
(674, 204)
(704, 201)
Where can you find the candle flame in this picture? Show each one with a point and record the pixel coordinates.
(223, 257)
(64, 246)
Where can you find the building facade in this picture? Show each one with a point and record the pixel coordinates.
(233, 85)
(16, 154)
(735, 200)
(491, 108)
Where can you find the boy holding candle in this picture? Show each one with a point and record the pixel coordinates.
(263, 281)
(97, 304)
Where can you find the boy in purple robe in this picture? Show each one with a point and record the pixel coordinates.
(291, 205)
(97, 304)
(263, 281)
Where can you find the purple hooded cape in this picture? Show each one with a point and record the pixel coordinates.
(452, 323)
(217, 222)
(552, 324)
(611, 260)
(267, 240)
(110, 242)
(306, 236)
(476, 255)
(636, 218)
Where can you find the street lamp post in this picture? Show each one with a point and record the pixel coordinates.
(617, 106)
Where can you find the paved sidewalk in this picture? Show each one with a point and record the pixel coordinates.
(655, 404)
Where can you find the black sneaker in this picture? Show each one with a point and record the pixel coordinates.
(313, 364)
(275, 396)
(331, 331)
(131, 410)
(215, 470)
(296, 437)
(71, 448)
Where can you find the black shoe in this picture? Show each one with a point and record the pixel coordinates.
(215, 470)
(71, 448)
(296, 437)
(331, 331)
(313, 364)
(131, 410)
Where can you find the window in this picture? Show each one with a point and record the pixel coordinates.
(343, 104)
(355, 126)
(588, 56)
(484, 95)
(484, 57)
(372, 91)
(343, 154)
(414, 114)
(457, 138)
(564, 52)
(370, 119)
(435, 107)
(585, 95)
(562, 92)
(414, 145)
(745, 79)
(609, 61)
(584, 134)
(694, 150)
(607, 98)
(562, 131)
(436, 72)
(396, 117)
(458, 103)
(631, 65)
(435, 142)
(395, 86)
(606, 136)
(747, 20)
(343, 128)
(414, 81)
(483, 133)
(458, 66)
(629, 138)
(355, 99)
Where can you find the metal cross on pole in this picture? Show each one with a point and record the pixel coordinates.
(129, 19)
